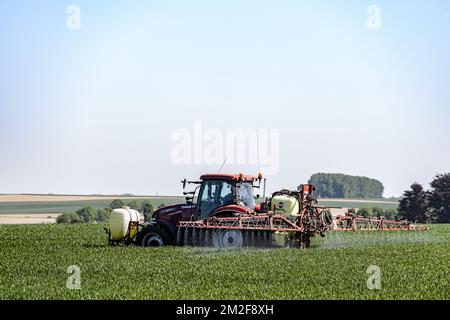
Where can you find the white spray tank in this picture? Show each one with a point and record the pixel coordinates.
(123, 224)
(285, 204)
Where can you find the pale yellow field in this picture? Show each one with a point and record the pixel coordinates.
(35, 218)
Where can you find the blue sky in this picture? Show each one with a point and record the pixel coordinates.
(93, 110)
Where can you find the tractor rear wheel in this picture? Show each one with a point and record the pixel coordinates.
(228, 239)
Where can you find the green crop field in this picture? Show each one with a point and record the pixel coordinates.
(34, 261)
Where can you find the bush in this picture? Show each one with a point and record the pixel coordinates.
(69, 217)
(64, 218)
(116, 204)
(391, 214)
(363, 212)
(147, 210)
(375, 212)
(103, 215)
(133, 205)
(87, 214)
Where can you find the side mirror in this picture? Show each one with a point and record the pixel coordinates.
(184, 183)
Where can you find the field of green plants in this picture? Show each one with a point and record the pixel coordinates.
(34, 261)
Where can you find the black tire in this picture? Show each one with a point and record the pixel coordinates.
(180, 236)
(228, 239)
(152, 240)
(144, 232)
(305, 241)
(169, 231)
(154, 235)
(186, 237)
(326, 217)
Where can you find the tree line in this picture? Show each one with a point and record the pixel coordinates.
(376, 212)
(336, 185)
(88, 214)
(427, 206)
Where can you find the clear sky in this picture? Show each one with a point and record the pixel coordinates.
(93, 110)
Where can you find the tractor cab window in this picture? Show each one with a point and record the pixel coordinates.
(246, 195)
(213, 195)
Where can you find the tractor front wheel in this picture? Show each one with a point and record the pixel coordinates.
(152, 236)
(152, 240)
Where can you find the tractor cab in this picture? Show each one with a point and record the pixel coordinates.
(217, 191)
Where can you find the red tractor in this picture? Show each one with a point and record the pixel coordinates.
(223, 212)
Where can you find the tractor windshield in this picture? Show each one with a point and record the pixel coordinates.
(246, 195)
(213, 194)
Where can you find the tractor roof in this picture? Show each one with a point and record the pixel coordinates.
(227, 177)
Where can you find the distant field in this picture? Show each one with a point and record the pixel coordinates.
(59, 204)
(51, 204)
(62, 198)
(360, 203)
(35, 258)
(28, 218)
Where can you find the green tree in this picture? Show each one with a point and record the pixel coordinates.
(115, 204)
(63, 218)
(103, 215)
(87, 214)
(363, 212)
(439, 198)
(133, 205)
(162, 205)
(377, 212)
(147, 210)
(391, 214)
(414, 205)
(334, 185)
(69, 217)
